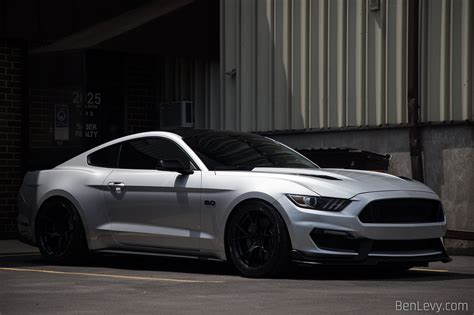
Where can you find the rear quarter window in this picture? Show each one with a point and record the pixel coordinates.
(106, 157)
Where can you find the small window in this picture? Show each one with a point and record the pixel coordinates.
(106, 157)
(146, 153)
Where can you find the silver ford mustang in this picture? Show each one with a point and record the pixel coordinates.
(230, 196)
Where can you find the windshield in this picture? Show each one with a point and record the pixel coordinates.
(241, 151)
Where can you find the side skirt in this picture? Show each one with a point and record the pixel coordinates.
(163, 253)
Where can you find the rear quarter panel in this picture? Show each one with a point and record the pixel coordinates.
(82, 186)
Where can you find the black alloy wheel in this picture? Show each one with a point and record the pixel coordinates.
(60, 234)
(257, 240)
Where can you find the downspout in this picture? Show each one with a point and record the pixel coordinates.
(416, 150)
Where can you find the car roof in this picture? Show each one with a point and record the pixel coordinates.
(190, 132)
(184, 133)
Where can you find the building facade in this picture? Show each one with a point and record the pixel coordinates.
(389, 76)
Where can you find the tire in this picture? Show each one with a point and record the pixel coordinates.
(257, 240)
(60, 233)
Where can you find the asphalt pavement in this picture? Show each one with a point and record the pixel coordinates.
(130, 284)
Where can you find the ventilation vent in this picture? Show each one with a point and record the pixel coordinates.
(324, 177)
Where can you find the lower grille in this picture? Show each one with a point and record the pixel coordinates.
(343, 242)
(434, 244)
(335, 241)
(407, 210)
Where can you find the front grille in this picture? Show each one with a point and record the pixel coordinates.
(408, 210)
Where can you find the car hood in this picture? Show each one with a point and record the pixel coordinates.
(345, 183)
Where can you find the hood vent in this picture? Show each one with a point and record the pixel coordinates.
(322, 177)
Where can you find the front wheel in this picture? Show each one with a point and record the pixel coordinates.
(60, 234)
(257, 240)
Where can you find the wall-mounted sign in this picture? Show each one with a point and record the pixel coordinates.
(61, 123)
(91, 99)
(89, 106)
(90, 130)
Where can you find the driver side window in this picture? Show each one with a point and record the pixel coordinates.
(146, 153)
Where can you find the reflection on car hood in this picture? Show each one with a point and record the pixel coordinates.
(346, 183)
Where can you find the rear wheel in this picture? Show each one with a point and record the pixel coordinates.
(257, 240)
(60, 234)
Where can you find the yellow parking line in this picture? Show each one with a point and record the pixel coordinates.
(19, 254)
(429, 270)
(107, 275)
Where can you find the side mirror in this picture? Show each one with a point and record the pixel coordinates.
(174, 166)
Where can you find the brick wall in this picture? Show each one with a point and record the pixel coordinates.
(11, 146)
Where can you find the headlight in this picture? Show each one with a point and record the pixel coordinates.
(319, 203)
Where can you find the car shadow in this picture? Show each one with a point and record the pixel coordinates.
(371, 273)
(300, 272)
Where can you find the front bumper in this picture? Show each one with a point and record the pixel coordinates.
(363, 259)
(370, 252)
(351, 241)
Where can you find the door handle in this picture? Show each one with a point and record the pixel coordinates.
(116, 186)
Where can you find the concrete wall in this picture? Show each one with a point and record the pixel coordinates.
(448, 153)
(448, 157)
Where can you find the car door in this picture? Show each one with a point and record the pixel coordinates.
(152, 208)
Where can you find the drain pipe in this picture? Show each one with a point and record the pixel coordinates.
(416, 150)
